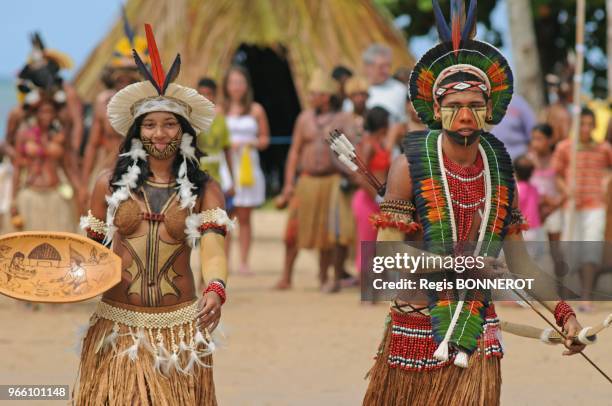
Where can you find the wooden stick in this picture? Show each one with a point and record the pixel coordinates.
(574, 136)
(561, 333)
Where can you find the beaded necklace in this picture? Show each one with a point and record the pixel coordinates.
(467, 190)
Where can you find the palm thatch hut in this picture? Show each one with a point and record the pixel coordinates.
(44, 255)
(280, 42)
(208, 33)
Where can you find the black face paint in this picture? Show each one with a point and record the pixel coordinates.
(463, 140)
(165, 153)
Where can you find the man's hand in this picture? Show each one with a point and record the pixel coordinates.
(287, 190)
(571, 329)
(493, 268)
(210, 311)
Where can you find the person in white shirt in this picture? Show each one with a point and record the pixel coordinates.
(384, 90)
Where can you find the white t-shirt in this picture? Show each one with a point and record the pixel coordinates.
(391, 95)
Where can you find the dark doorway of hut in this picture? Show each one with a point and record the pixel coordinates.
(274, 89)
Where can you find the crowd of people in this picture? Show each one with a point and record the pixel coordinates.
(53, 168)
(165, 168)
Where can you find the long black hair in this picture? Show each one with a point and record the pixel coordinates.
(194, 174)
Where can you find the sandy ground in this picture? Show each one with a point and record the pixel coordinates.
(299, 347)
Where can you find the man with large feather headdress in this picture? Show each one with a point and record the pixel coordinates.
(453, 186)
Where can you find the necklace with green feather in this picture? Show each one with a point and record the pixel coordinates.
(457, 320)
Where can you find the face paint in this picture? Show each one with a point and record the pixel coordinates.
(165, 153)
(462, 139)
(449, 116)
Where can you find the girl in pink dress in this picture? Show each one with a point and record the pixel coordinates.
(378, 159)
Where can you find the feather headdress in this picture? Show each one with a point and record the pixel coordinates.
(40, 77)
(122, 53)
(158, 93)
(459, 51)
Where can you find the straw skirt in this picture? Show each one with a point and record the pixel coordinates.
(406, 373)
(135, 355)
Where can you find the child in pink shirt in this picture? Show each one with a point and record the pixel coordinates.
(529, 198)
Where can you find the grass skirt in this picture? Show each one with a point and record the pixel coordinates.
(46, 210)
(443, 384)
(135, 355)
(313, 205)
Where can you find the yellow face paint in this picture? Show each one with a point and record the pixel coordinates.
(449, 115)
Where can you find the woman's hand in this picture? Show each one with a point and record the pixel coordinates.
(571, 329)
(210, 311)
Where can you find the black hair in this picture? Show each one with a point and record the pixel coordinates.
(194, 173)
(376, 118)
(208, 83)
(544, 129)
(587, 112)
(523, 167)
(339, 71)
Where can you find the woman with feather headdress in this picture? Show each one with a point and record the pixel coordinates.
(149, 339)
(454, 186)
(104, 142)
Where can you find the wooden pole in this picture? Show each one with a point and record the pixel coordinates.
(609, 46)
(574, 136)
(527, 71)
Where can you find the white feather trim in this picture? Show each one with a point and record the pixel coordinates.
(584, 339)
(199, 338)
(194, 359)
(187, 150)
(608, 321)
(84, 222)
(136, 151)
(545, 335)
(171, 363)
(462, 359)
(195, 220)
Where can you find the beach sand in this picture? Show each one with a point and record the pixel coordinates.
(300, 347)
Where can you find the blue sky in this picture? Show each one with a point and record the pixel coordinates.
(71, 26)
(75, 27)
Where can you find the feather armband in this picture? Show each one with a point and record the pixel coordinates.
(214, 220)
(96, 229)
(518, 223)
(396, 214)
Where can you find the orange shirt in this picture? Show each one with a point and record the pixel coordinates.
(592, 163)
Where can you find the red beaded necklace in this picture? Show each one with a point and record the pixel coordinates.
(467, 190)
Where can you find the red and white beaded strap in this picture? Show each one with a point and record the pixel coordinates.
(563, 312)
(218, 287)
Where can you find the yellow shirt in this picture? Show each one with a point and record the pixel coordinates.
(213, 143)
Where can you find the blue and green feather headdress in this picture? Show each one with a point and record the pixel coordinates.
(457, 47)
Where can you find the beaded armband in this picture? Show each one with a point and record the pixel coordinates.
(212, 220)
(396, 214)
(96, 229)
(562, 312)
(517, 222)
(218, 287)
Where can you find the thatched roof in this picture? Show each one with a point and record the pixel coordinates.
(207, 33)
(45, 251)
